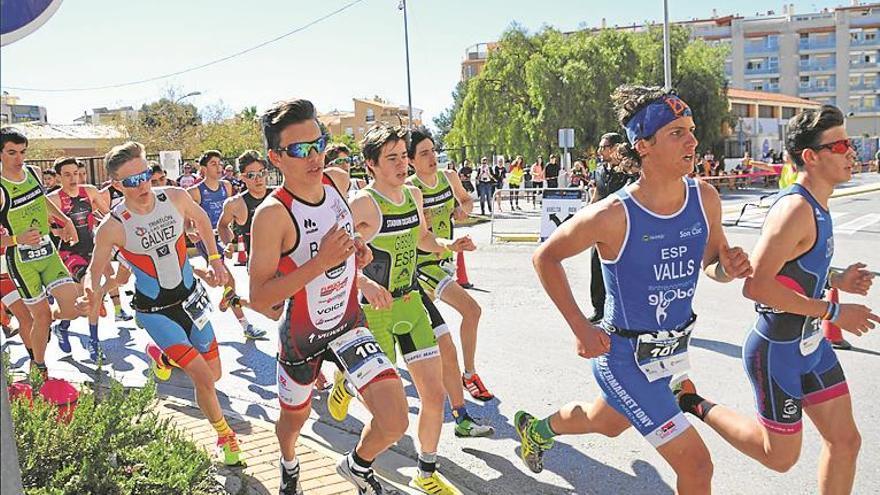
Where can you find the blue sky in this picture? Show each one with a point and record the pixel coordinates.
(356, 53)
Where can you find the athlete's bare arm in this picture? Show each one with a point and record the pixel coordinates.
(366, 215)
(234, 210)
(99, 203)
(721, 262)
(602, 224)
(788, 232)
(464, 199)
(68, 232)
(427, 240)
(108, 235)
(340, 178)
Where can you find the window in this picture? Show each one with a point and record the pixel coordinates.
(361, 131)
(805, 36)
(773, 62)
(739, 109)
(349, 131)
(870, 80)
(855, 102)
(765, 112)
(788, 112)
(823, 82)
(869, 101)
(371, 115)
(854, 80)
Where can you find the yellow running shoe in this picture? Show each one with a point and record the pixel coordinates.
(339, 397)
(434, 485)
(230, 450)
(161, 371)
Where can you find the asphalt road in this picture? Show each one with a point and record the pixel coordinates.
(526, 356)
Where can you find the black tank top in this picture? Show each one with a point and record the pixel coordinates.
(251, 203)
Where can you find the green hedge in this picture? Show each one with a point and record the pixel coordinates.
(114, 444)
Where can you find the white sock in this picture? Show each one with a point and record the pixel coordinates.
(469, 374)
(290, 465)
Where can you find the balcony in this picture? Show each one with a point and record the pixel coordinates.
(816, 66)
(875, 87)
(815, 88)
(817, 44)
(755, 48)
(862, 109)
(754, 71)
(864, 42)
(863, 65)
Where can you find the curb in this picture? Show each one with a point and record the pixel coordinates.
(309, 440)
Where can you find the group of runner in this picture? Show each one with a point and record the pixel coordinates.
(352, 269)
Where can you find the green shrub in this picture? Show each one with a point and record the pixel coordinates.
(114, 444)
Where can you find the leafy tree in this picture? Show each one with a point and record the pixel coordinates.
(533, 85)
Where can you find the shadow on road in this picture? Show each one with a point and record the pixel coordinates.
(725, 348)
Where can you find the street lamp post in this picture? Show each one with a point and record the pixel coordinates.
(667, 62)
(192, 93)
(402, 6)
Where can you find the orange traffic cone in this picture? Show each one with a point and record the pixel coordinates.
(242, 254)
(461, 271)
(832, 331)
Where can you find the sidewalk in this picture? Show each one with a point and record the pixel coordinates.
(257, 438)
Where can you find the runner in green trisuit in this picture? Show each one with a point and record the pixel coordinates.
(445, 200)
(33, 261)
(388, 214)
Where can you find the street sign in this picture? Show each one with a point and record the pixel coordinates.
(170, 161)
(20, 18)
(566, 138)
(557, 207)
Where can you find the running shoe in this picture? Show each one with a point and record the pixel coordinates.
(10, 332)
(469, 427)
(290, 484)
(842, 345)
(253, 333)
(434, 485)
(230, 450)
(339, 397)
(532, 447)
(476, 388)
(123, 316)
(161, 371)
(229, 299)
(63, 337)
(95, 352)
(682, 384)
(366, 484)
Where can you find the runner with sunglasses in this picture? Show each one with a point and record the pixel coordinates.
(791, 366)
(32, 259)
(239, 209)
(81, 202)
(338, 155)
(304, 257)
(389, 215)
(147, 227)
(210, 194)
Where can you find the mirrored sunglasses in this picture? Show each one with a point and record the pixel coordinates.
(303, 150)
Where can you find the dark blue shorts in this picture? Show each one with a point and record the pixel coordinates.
(784, 381)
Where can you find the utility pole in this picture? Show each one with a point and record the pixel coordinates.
(402, 6)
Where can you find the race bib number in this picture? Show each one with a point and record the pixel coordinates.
(811, 336)
(34, 253)
(198, 306)
(664, 353)
(360, 356)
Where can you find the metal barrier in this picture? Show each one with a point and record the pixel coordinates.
(523, 224)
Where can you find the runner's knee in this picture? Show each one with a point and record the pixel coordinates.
(845, 444)
(782, 462)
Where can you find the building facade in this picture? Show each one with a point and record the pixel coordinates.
(367, 113)
(12, 111)
(761, 120)
(831, 57)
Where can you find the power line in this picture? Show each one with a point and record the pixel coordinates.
(197, 67)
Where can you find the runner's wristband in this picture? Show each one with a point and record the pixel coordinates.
(215, 256)
(835, 312)
(827, 314)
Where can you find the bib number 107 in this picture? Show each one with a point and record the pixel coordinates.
(666, 350)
